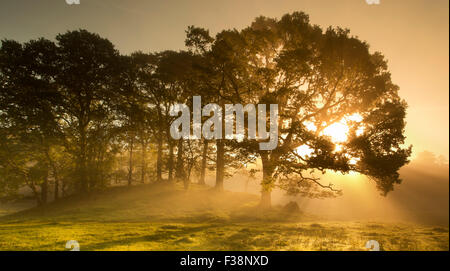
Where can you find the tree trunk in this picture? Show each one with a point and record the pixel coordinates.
(266, 199)
(143, 161)
(220, 164)
(186, 182)
(36, 193)
(83, 172)
(63, 188)
(204, 157)
(267, 183)
(82, 159)
(180, 174)
(159, 160)
(44, 189)
(56, 189)
(55, 174)
(170, 162)
(130, 163)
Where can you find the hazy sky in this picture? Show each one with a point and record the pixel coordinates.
(413, 35)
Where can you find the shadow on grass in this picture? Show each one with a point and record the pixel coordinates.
(165, 234)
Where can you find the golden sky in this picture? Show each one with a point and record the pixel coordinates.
(412, 34)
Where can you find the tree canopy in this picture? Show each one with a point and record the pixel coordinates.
(77, 115)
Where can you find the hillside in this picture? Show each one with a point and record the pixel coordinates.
(162, 217)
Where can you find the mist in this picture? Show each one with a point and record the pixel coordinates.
(422, 197)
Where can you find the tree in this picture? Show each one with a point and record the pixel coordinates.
(71, 110)
(29, 103)
(87, 65)
(317, 78)
(216, 62)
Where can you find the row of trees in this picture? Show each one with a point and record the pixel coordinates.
(77, 115)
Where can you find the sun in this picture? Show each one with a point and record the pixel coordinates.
(338, 132)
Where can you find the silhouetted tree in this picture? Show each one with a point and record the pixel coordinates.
(77, 113)
(317, 78)
(29, 105)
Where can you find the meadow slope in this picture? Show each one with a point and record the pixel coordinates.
(163, 217)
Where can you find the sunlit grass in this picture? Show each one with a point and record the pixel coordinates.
(167, 218)
(219, 236)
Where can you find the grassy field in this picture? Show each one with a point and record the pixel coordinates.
(157, 217)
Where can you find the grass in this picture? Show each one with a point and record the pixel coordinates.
(157, 217)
